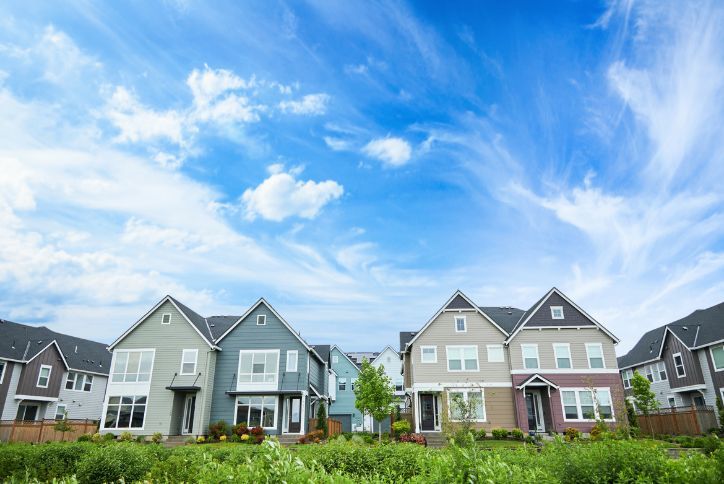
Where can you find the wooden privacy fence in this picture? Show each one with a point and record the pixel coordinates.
(678, 421)
(334, 426)
(43, 430)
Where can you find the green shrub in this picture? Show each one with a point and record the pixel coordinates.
(401, 427)
(499, 434)
(480, 434)
(219, 428)
(109, 463)
(157, 438)
(140, 439)
(571, 434)
(517, 434)
(125, 437)
(96, 437)
(109, 436)
(85, 438)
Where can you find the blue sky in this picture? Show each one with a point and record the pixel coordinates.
(356, 162)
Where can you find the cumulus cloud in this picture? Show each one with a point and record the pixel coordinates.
(311, 104)
(281, 196)
(393, 152)
(136, 122)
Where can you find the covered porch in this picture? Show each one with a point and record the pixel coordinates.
(533, 399)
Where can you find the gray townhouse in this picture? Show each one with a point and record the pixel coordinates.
(49, 375)
(683, 360)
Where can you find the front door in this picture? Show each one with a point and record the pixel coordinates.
(295, 415)
(534, 407)
(427, 412)
(189, 409)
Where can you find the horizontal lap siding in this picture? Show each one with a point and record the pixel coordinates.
(577, 338)
(499, 408)
(345, 401)
(81, 404)
(169, 340)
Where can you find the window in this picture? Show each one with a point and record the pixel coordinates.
(352, 381)
(342, 384)
(679, 365)
(672, 401)
(563, 355)
(60, 412)
(166, 318)
(530, 356)
(188, 362)
(3, 365)
(258, 366)
(257, 411)
(27, 412)
(595, 355)
(650, 373)
(582, 404)
(399, 387)
(125, 412)
(44, 376)
(292, 357)
(462, 358)
(132, 366)
(79, 382)
(428, 354)
(261, 319)
(557, 312)
(627, 375)
(335, 359)
(717, 356)
(662, 370)
(460, 324)
(474, 397)
(495, 354)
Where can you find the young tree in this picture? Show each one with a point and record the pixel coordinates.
(322, 419)
(374, 393)
(643, 396)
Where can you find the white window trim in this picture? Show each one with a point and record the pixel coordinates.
(626, 373)
(352, 381)
(570, 357)
(578, 404)
(57, 407)
(553, 313)
(502, 353)
(465, 392)
(105, 411)
(40, 372)
(462, 361)
(658, 371)
(113, 366)
(422, 353)
(163, 316)
(671, 396)
(340, 382)
(588, 357)
(183, 358)
(465, 323)
(537, 355)
(276, 409)
(292, 355)
(711, 353)
(650, 370)
(264, 384)
(262, 318)
(2, 372)
(82, 388)
(676, 368)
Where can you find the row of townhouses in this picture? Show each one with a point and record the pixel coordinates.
(174, 371)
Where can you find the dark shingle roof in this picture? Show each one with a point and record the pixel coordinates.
(647, 348)
(528, 312)
(406, 337)
(323, 351)
(196, 319)
(505, 317)
(22, 342)
(218, 325)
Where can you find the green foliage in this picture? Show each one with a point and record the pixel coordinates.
(401, 427)
(109, 436)
(322, 419)
(109, 463)
(720, 410)
(126, 437)
(643, 396)
(571, 434)
(517, 434)
(85, 438)
(374, 393)
(499, 434)
(217, 429)
(62, 425)
(633, 419)
(157, 438)
(480, 434)
(599, 431)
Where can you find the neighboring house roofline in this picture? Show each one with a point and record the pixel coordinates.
(343, 354)
(706, 345)
(621, 368)
(391, 348)
(475, 307)
(154, 308)
(569, 301)
(57, 346)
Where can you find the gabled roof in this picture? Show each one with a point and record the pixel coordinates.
(198, 321)
(647, 348)
(359, 356)
(218, 325)
(22, 343)
(354, 363)
(323, 351)
(536, 377)
(533, 309)
(389, 347)
(406, 337)
(505, 316)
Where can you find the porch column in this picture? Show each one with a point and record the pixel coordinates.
(416, 401)
(305, 425)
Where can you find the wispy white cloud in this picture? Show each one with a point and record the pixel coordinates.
(392, 151)
(311, 104)
(136, 122)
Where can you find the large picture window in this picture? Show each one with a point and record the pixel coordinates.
(462, 358)
(125, 412)
(583, 404)
(474, 402)
(132, 366)
(258, 366)
(79, 382)
(257, 411)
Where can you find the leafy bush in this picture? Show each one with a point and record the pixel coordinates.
(322, 419)
(85, 438)
(157, 438)
(413, 439)
(126, 437)
(190, 440)
(109, 436)
(97, 437)
(499, 434)
(245, 438)
(140, 439)
(313, 437)
(234, 438)
(480, 434)
(217, 429)
(572, 434)
(109, 463)
(258, 434)
(401, 427)
(517, 434)
(240, 429)
(200, 439)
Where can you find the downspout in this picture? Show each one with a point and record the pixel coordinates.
(206, 386)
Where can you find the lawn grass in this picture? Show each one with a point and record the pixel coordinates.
(499, 444)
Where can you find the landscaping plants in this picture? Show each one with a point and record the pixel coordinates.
(499, 433)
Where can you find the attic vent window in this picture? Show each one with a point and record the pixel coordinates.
(557, 312)
(166, 319)
(261, 320)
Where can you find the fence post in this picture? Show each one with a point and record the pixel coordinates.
(12, 432)
(696, 420)
(40, 433)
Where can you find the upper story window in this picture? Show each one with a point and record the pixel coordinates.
(495, 353)
(166, 318)
(428, 354)
(563, 355)
(530, 356)
(342, 384)
(335, 359)
(292, 359)
(661, 367)
(132, 366)
(44, 376)
(557, 312)
(462, 358)
(79, 382)
(460, 325)
(352, 382)
(188, 361)
(60, 412)
(595, 355)
(3, 365)
(717, 357)
(626, 376)
(679, 365)
(649, 370)
(261, 319)
(258, 366)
